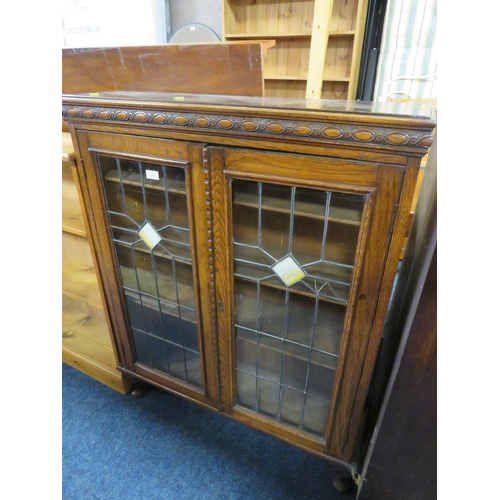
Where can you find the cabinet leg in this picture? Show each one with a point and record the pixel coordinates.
(343, 484)
(139, 389)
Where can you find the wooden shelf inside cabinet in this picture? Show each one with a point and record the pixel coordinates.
(288, 65)
(86, 337)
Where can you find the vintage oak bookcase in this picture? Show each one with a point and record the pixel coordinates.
(248, 248)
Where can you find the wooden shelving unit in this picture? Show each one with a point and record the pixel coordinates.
(289, 69)
(86, 339)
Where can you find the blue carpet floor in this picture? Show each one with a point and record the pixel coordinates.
(161, 447)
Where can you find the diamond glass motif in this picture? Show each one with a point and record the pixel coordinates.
(289, 271)
(149, 235)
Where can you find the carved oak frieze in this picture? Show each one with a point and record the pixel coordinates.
(343, 133)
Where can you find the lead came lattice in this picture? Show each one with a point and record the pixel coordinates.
(290, 296)
(149, 222)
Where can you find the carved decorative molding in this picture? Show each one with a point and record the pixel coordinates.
(211, 260)
(344, 133)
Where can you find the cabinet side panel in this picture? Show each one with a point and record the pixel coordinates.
(349, 399)
(401, 217)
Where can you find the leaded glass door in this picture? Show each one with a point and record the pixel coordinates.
(148, 214)
(149, 191)
(306, 239)
(293, 256)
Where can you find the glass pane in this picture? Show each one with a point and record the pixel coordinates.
(141, 346)
(300, 324)
(135, 312)
(172, 330)
(295, 365)
(189, 329)
(193, 367)
(321, 373)
(246, 299)
(177, 361)
(158, 356)
(268, 394)
(246, 349)
(148, 212)
(315, 415)
(247, 231)
(292, 403)
(269, 358)
(272, 304)
(275, 219)
(293, 252)
(246, 389)
(328, 327)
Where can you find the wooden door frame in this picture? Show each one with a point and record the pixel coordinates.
(382, 192)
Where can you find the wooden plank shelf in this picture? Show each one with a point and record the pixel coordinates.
(312, 51)
(343, 215)
(348, 33)
(304, 78)
(295, 291)
(134, 179)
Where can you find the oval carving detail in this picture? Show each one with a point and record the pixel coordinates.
(224, 123)
(332, 132)
(159, 118)
(275, 128)
(104, 114)
(249, 126)
(202, 121)
(427, 141)
(396, 138)
(88, 113)
(180, 120)
(122, 115)
(140, 117)
(363, 135)
(303, 130)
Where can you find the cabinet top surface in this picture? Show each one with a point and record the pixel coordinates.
(165, 100)
(393, 126)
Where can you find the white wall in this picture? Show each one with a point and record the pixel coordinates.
(207, 12)
(105, 23)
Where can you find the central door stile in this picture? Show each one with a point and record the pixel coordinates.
(222, 253)
(203, 217)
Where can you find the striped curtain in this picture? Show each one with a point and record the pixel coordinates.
(407, 65)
